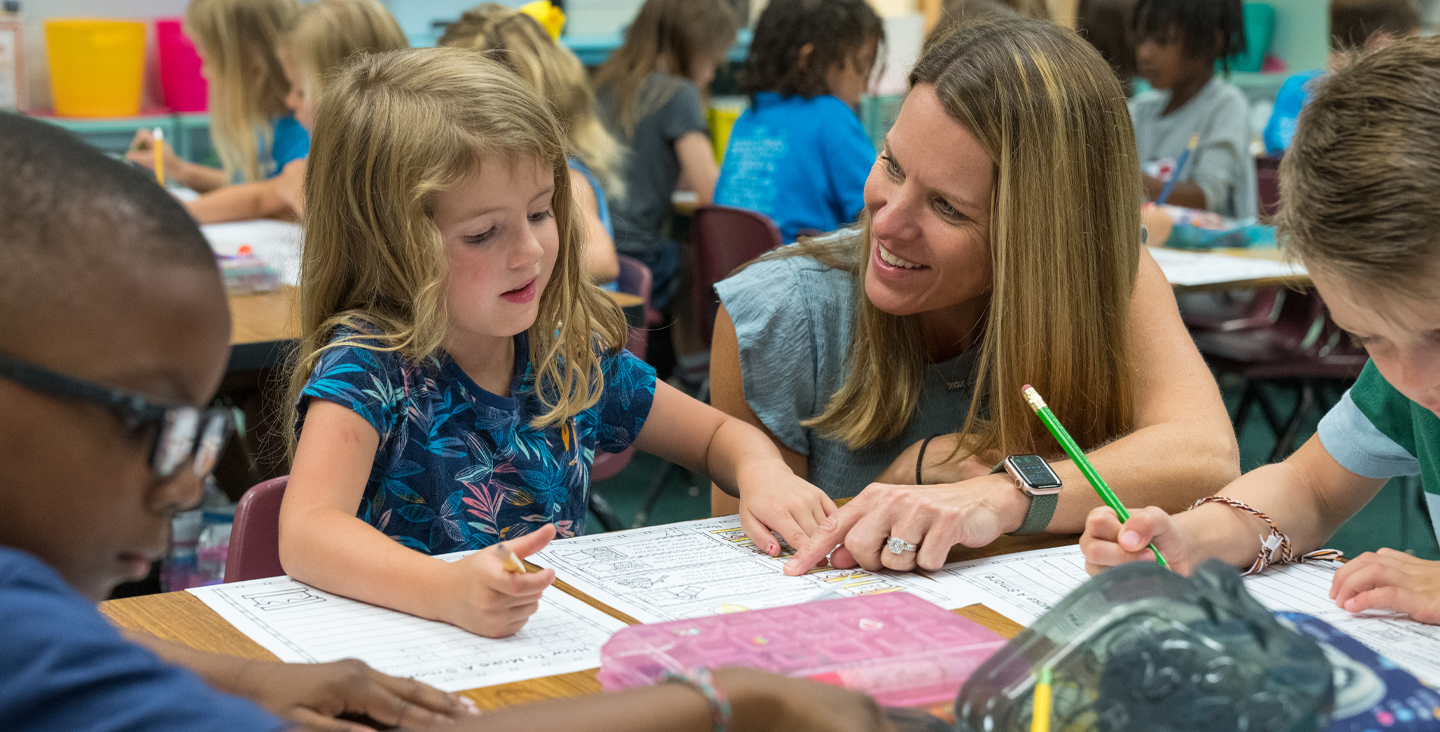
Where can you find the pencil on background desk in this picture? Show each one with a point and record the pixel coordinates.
(158, 146)
(1067, 443)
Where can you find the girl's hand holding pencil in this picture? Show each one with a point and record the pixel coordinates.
(490, 593)
(142, 152)
(1108, 542)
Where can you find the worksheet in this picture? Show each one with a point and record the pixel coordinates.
(278, 243)
(301, 624)
(707, 567)
(1024, 586)
(1208, 268)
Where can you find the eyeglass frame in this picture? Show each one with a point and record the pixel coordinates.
(134, 409)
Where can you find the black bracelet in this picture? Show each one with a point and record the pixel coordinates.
(919, 459)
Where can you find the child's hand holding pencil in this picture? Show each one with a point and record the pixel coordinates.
(490, 592)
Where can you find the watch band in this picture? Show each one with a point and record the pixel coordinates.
(1042, 509)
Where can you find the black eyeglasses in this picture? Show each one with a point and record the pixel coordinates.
(182, 432)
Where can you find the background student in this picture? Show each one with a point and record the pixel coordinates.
(799, 153)
(650, 92)
(1177, 45)
(1355, 25)
(518, 42)
(118, 268)
(323, 35)
(1360, 183)
(458, 370)
(254, 133)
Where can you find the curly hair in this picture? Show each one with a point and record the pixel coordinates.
(835, 30)
(1197, 21)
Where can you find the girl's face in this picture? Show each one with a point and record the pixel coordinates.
(850, 79)
(929, 213)
(501, 243)
(298, 100)
(1403, 338)
(1162, 61)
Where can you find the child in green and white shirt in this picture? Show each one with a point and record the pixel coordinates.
(1360, 184)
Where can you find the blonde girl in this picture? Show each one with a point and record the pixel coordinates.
(254, 134)
(1000, 246)
(650, 94)
(323, 35)
(457, 370)
(518, 42)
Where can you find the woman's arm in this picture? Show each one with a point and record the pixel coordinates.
(323, 543)
(697, 165)
(727, 394)
(599, 254)
(240, 202)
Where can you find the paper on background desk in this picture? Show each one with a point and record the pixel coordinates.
(709, 567)
(1190, 269)
(301, 624)
(1024, 586)
(276, 242)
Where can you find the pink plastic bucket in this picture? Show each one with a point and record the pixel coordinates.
(180, 79)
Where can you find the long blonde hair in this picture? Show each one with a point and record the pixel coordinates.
(247, 86)
(393, 131)
(669, 36)
(327, 32)
(1064, 248)
(520, 43)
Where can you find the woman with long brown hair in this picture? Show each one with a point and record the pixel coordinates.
(1000, 246)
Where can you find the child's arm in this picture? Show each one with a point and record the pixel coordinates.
(240, 202)
(199, 178)
(600, 261)
(1184, 193)
(290, 186)
(323, 543)
(314, 694)
(698, 170)
(741, 460)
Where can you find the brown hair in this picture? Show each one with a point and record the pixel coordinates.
(519, 42)
(1353, 22)
(1064, 248)
(247, 85)
(1362, 176)
(837, 32)
(670, 36)
(393, 131)
(327, 32)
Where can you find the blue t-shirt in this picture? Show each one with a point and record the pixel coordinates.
(290, 141)
(601, 207)
(459, 468)
(1293, 96)
(67, 668)
(802, 162)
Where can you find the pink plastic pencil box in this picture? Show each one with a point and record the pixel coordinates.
(896, 647)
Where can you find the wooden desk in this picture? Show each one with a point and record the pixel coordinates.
(1293, 281)
(181, 617)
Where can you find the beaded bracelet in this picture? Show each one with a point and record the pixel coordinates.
(1276, 544)
(702, 681)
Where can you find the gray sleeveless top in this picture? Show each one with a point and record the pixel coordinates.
(792, 320)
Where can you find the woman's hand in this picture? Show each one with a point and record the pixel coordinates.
(938, 467)
(488, 599)
(763, 702)
(314, 694)
(1389, 580)
(934, 518)
(774, 499)
(1106, 542)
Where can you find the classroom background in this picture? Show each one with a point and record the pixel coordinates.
(1275, 409)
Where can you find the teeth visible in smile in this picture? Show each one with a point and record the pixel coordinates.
(895, 261)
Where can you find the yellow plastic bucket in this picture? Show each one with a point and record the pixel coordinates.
(97, 67)
(722, 119)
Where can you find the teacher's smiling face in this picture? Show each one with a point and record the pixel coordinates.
(928, 198)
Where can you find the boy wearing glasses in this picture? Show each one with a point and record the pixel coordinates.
(113, 337)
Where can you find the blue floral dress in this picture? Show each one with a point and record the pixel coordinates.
(460, 468)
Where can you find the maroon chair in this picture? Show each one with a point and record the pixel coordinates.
(724, 238)
(1267, 184)
(636, 279)
(254, 551)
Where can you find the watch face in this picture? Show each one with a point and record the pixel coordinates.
(1034, 471)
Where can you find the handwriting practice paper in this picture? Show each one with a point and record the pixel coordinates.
(301, 624)
(1198, 268)
(1024, 586)
(708, 567)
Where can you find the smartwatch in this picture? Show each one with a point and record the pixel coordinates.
(1034, 478)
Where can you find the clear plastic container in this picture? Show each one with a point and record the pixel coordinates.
(896, 647)
(213, 546)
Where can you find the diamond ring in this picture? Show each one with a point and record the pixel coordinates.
(896, 545)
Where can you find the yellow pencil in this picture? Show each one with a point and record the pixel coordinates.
(512, 563)
(1040, 704)
(159, 147)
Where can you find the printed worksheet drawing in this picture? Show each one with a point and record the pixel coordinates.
(708, 567)
(301, 624)
(1024, 586)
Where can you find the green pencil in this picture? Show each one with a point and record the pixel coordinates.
(1067, 443)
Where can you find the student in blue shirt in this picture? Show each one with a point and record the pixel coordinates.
(1355, 25)
(115, 334)
(799, 154)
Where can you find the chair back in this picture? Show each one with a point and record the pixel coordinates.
(724, 238)
(636, 279)
(1267, 184)
(255, 539)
